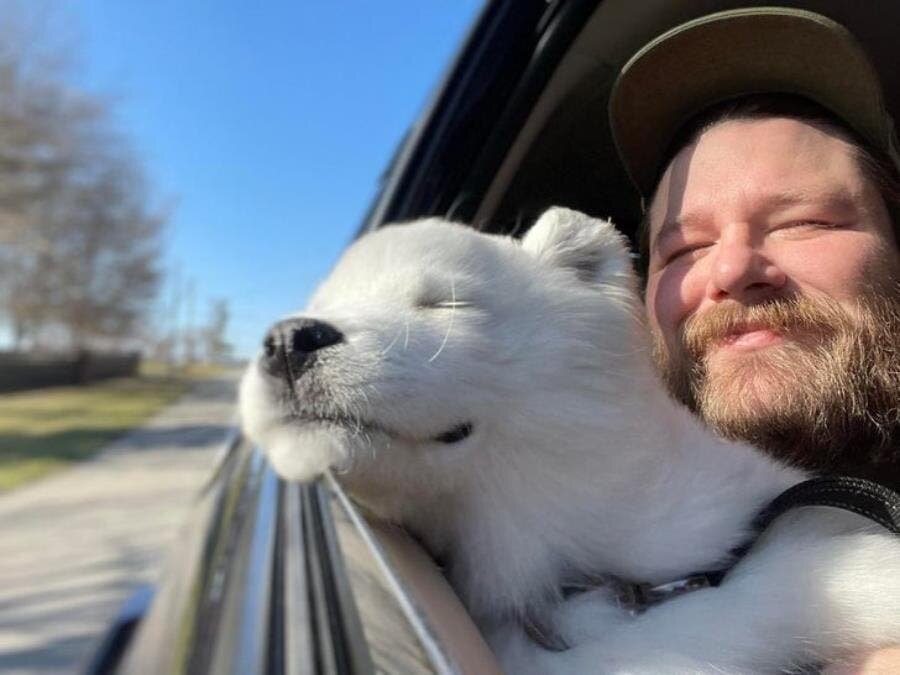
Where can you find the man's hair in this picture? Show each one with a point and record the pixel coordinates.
(875, 164)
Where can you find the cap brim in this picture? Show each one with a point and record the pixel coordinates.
(734, 53)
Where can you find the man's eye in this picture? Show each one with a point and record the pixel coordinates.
(824, 224)
(686, 252)
(807, 226)
(808, 223)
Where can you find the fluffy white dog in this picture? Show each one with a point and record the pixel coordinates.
(496, 397)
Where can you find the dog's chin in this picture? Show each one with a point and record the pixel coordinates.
(305, 452)
(301, 448)
(450, 434)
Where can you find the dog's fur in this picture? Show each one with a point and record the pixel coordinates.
(578, 464)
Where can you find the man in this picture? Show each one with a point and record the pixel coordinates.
(773, 266)
(772, 290)
(769, 170)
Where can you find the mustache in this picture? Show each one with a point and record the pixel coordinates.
(790, 315)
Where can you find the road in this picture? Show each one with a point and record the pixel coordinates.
(75, 545)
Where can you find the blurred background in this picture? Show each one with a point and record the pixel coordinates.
(166, 166)
(174, 177)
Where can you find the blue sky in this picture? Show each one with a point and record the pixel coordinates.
(267, 125)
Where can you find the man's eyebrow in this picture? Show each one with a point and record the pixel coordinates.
(834, 198)
(668, 229)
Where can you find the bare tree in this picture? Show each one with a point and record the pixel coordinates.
(108, 255)
(216, 346)
(37, 114)
(79, 241)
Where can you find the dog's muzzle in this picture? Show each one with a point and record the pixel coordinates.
(290, 346)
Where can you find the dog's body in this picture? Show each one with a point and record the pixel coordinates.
(497, 398)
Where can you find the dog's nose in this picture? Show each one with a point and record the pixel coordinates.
(289, 344)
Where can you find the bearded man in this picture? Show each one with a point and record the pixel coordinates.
(769, 169)
(772, 287)
(770, 233)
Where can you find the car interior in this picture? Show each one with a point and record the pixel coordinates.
(564, 152)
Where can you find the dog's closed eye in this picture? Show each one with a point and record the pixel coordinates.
(440, 300)
(446, 304)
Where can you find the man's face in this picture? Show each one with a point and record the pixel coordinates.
(768, 245)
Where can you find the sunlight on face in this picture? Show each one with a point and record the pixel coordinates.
(753, 215)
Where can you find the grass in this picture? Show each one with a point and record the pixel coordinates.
(47, 429)
(193, 371)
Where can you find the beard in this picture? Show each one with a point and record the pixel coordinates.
(825, 398)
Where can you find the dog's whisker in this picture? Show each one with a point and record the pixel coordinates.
(393, 342)
(450, 322)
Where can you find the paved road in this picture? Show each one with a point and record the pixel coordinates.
(74, 546)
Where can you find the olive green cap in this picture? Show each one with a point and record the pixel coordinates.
(735, 53)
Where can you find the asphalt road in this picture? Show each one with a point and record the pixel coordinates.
(74, 546)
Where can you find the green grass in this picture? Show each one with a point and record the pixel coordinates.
(48, 429)
(193, 371)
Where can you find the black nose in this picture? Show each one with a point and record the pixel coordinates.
(290, 344)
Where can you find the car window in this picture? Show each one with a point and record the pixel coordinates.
(276, 577)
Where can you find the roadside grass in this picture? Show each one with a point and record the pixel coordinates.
(193, 371)
(47, 429)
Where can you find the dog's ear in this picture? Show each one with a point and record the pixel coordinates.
(591, 247)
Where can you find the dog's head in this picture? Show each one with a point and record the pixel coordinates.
(431, 345)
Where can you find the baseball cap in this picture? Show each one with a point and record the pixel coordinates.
(735, 53)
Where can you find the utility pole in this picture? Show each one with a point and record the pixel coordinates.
(190, 335)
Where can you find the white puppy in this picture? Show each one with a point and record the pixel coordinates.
(496, 397)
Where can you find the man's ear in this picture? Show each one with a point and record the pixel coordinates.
(590, 247)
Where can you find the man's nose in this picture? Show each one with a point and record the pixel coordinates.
(290, 344)
(742, 270)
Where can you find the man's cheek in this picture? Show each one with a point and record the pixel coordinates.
(669, 302)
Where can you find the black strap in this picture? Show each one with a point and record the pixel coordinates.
(867, 498)
(864, 497)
